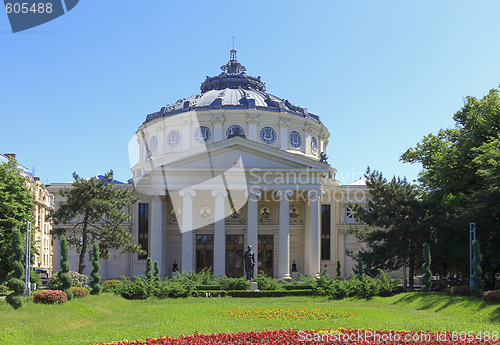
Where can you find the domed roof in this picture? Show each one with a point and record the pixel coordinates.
(232, 89)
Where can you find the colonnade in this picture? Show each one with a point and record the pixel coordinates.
(312, 230)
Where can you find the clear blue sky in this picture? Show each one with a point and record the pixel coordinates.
(380, 74)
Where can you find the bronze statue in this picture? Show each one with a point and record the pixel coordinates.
(249, 262)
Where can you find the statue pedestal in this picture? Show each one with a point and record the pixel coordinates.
(253, 286)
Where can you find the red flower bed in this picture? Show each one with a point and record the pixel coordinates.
(341, 336)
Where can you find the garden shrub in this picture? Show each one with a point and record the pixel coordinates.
(111, 285)
(169, 288)
(205, 277)
(3, 288)
(322, 284)
(227, 283)
(64, 277)
(491, 297)
(79, 280)
(426, 277)
(460, 290)
(269, 293)
(477, 288)
(96, 278)
(387, 286)
(79, 292)
(129, 290)
(265, 282)
(156, 275)
(207, 287)
(149, 267)
(15, 279)
(298, 287)
(50, 296)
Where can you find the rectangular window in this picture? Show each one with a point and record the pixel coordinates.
(143, 228)
(325, 231)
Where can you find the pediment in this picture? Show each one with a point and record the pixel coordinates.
(240, 153)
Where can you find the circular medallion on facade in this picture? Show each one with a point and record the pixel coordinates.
(268, 135)
(265, 211)
(294, 212)
(177, 211)
(295, 139)
(173, 138)
(202, 134)
(153, 143)
(235, 212)
(205, 212)
(235, 131)
(314, 145)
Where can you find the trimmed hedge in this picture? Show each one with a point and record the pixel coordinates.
(50, 297)
(207, 287)
(79, 292)
(209, 293)
(270, 293)
(298, 287)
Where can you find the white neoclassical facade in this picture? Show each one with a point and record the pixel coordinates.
(230, 167)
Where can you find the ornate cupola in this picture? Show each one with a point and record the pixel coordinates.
(233, 76)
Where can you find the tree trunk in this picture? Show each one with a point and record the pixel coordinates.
(81, 263)
(412, 270)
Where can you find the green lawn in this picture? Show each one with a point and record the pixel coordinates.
(109, 318)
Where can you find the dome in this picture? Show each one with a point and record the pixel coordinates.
(233, 89)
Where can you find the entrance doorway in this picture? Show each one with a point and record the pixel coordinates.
(265, 259)
(204, 252)
(234, 256)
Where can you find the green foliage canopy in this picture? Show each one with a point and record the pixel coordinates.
(461, 177)
(16, 208)
(94, 213)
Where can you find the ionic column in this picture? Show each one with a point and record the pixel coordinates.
(253, 217)
(187, 229)
(284, 235)
(314, 231)
(155, 242)
(219, 233)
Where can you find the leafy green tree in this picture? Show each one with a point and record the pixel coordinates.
(93, 213)
(15, 279)
(96, 278)
(461, 178)
(395, 227)
(64, 277)
(426, 277)
(477, 288)
(16, 208)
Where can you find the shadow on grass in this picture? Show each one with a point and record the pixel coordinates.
(440, 301)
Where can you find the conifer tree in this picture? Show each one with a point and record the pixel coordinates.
(149, 267)
(338, 269)
(157, 271)
(97, 205)
(477, 288)
(15, 279)
(359, 271)
(396, 224)
(426, 277)
(96, 278)
(64, 277)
